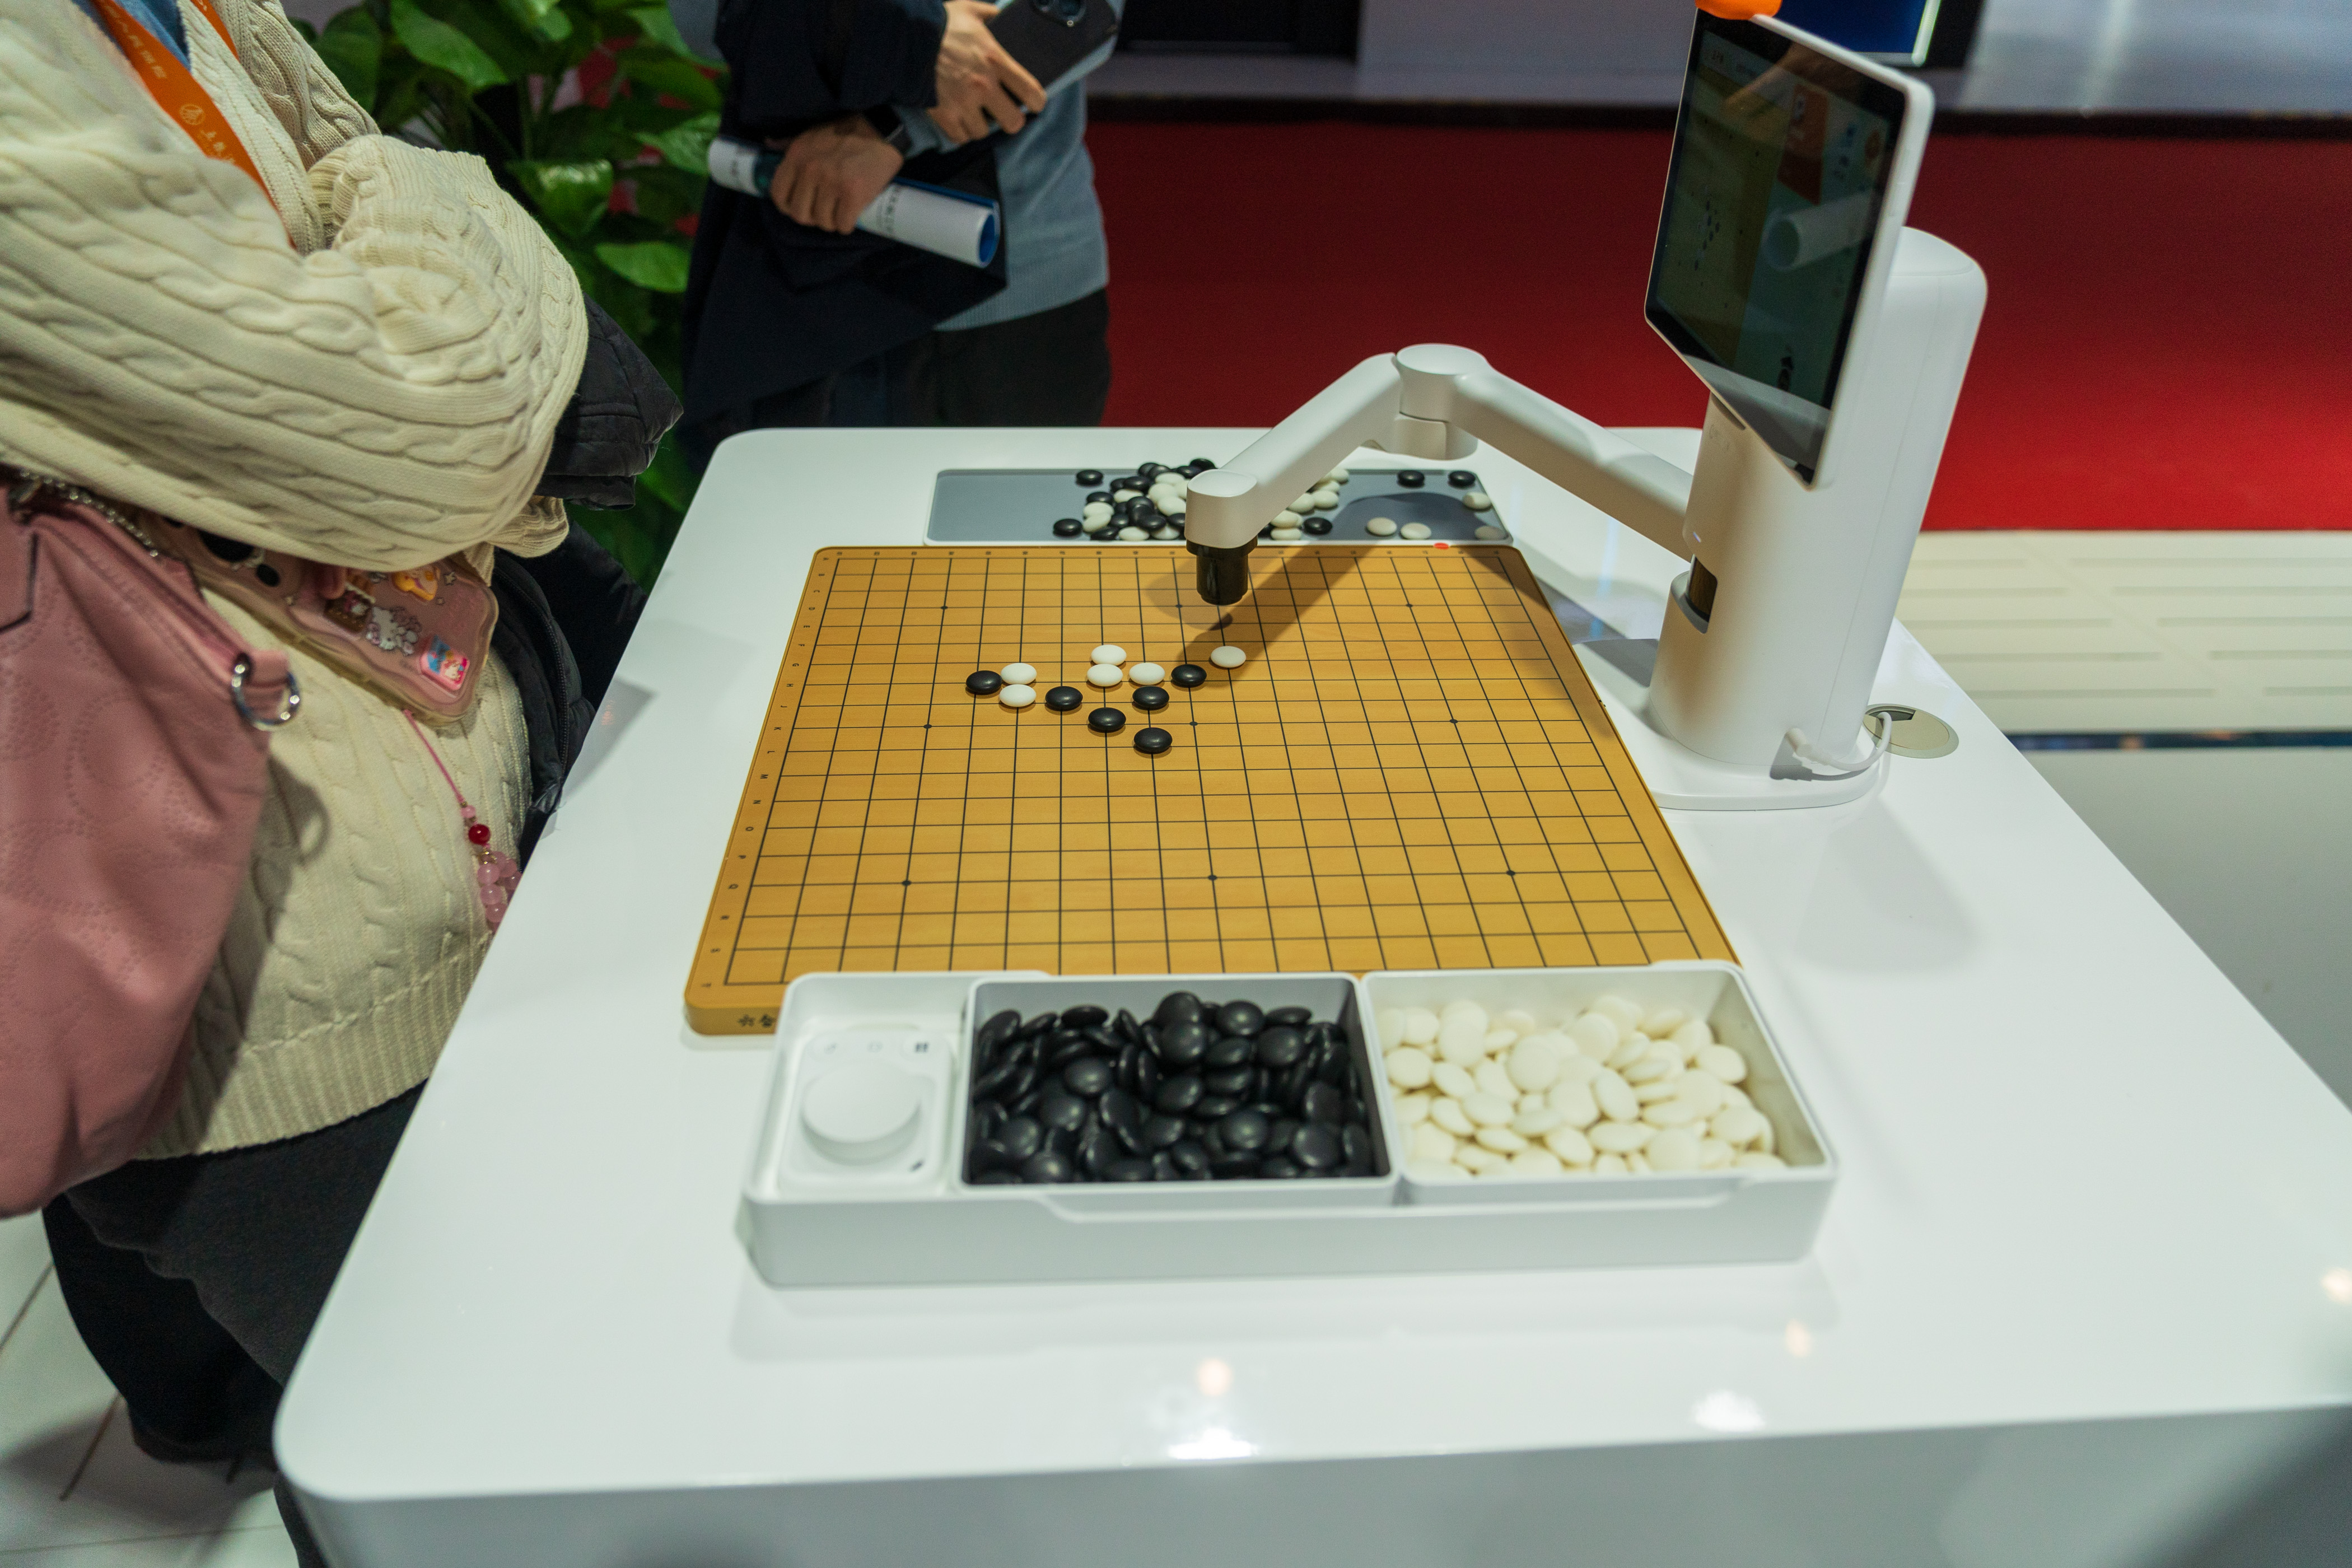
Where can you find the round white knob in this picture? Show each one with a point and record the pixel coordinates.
(863, 1112)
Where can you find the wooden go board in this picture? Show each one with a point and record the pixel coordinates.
(1411, 771)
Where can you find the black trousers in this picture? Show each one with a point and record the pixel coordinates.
(1052, 368)
(195, 1282)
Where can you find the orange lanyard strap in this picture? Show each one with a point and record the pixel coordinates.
(176, 90)
(218, 26)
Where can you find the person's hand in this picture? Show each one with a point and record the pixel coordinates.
(978, 81)
(831, 172)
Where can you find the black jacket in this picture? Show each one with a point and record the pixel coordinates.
(564, 620)
(771, 304)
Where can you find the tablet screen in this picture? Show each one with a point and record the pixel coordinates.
(1781, 161)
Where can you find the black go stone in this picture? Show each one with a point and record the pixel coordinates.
(1062, 698)
(1312, 525)
(1188, 675)
(1176, 1007)
(1245, 1131)
(1179, 1094)
(1068, 528)
(1088, 1076)
(1106, 721)
(1318, 1149)
(1280, 1047)
(1148, 472)
(1462, 478)
(1412, 478)
(1127, 1170)
(1088, 1017)
(1150, 699)
(1102, 496)
(1184, 1043)
(983, 683)
(1062, 1112)
(1234, 1051)
(1289, 1017)
(1161, 1131)
(1151, 743)
(1324, 1103)
(1242, 1018)
(1090, 476)
(1049, 1167)
(1200, 465)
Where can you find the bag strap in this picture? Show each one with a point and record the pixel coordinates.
(174, 88)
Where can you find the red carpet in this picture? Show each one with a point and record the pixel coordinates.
(2168, 345)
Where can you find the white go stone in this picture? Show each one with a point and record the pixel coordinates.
(1389, 1023)
(1619, 1137)
(1414, 531)
(1761, 1163)
(1305, 503)
(1478, 1160)
(1412, 1109)
(1523, 1023)
(1125, 495)
(1378, 527)
(1133, 534)
(1431, 1143)
(1721, 1062)
(1286, 536)
(1488, 530)
(1738, 1125)
(1165, 534)
(1618, 1010)
(1286, 518)
(1673, 1150)
(1447, 1112)
(1227, 657)
(1702, 1091)
(1534, 1122)
(1610, 1165)
(1575, 1103)
(1582, 1067)
(1569, 1144)
(1409, 1067)
(1336, 476)
(1436, 1171)
(1327, 500)
(1501, 1139)
(1714, 1155)
(1655, 1090)
(1663, 1022)
(1146, 674)
(1495, 1080)
(1476, 501)
(1615, 1097)
(1643, 1072)
(1019, 674)
(1017, 696)
(1631, 1048)
(1694, 1035)
(1595, 1035)
(1537, 1163)
(1497, 1036)
(1108, 653)
(1675, 1112)
(1095, 510)
(1462, 1037)
(1487, 1110)
(1104, 675)
(1417, 1026)
(1637, 1165)
(1534, 1064)
(1454, 1080)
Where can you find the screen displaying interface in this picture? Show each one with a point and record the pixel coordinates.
(1780, 169)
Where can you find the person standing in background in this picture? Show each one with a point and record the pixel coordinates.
(795, 317)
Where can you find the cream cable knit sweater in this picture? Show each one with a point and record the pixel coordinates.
(380, 393)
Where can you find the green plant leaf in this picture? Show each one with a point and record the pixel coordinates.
(656, 264)
(353, 47)
(545, 18)
(661, 29)
(670, 478)
(681, 79)
(686, 146)
(437, 43)
(571, 196)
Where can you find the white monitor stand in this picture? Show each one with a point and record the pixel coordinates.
(1798, 534)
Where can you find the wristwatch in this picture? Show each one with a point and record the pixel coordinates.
(886, 121)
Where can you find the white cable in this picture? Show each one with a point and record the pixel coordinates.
(1813, 762)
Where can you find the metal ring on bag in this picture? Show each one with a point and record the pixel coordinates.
(291, 704)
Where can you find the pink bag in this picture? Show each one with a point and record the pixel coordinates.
(134, 757)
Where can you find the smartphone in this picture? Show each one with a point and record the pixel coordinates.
(1051, 36)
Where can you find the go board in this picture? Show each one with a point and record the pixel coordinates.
(1411, 771)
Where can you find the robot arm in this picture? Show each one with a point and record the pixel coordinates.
(1435, 402)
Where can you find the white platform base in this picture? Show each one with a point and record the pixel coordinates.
(1681, 780)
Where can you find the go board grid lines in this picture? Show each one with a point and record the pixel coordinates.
(1419, 777)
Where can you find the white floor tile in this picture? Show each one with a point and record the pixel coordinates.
(70, 1476)
(23, 1261)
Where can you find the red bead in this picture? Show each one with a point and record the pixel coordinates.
(479, 833)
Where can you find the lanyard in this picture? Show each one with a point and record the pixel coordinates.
(176, 89)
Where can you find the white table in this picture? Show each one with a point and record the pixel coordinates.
(2088, 1270)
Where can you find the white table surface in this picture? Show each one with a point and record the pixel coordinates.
(2084, 1182)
